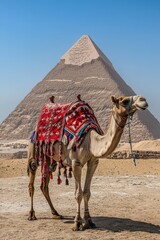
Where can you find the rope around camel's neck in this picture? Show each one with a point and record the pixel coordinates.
(121, 122)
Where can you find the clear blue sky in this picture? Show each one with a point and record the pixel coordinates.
(34, 34)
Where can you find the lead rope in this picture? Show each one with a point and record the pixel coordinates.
(129, 131)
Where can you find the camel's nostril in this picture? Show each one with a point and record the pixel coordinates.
(142, 99)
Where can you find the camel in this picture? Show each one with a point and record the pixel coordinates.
(93, 147)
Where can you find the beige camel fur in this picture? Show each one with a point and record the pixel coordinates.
(93, 147)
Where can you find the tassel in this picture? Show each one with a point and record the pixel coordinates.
(51, 175)
(59, 180)
(65, 172)
(70, 173)
(67, 182)
(60, 164)
(59, 172)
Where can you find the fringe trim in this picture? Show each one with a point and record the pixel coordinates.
(44, 149)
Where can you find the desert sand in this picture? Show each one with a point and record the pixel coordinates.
(125, 203)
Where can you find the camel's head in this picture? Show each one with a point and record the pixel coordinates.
(128, 105)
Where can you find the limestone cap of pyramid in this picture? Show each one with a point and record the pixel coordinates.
(84, 51)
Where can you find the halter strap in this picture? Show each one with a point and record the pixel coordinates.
(124, 119)
(129, 127)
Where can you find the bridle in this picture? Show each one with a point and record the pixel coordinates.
(129, 119)
(128, 107)
(128, 116)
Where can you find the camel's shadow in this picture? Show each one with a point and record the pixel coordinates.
(123, 224)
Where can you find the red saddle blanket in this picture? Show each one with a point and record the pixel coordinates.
(73, 120)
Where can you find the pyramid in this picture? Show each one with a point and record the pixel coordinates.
(84, 70)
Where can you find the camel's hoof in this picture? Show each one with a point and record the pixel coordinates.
(32, 216)
(81, 228)
(89, 225)
(75, 228)
(78, 227)
(56, 216)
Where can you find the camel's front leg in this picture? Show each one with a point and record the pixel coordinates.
(77, 171)
(91, 167)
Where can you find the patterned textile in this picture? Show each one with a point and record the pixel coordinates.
(49, 127)
(72, 120)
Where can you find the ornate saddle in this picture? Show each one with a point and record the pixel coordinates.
(72, 120)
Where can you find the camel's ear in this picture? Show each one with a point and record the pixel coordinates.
(114, 100)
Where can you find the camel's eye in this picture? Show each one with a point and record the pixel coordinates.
(125, 102)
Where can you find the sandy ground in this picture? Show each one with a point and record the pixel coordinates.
(125, 203)
(17, 167)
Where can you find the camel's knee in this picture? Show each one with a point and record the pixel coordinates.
(86, 195)
(78, 196)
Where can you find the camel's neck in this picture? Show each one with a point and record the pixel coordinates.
(102, 146)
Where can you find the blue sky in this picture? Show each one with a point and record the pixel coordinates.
(34, 34)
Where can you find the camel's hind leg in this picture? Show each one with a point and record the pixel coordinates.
(45, 190)
(31, 168)
(31, 193)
